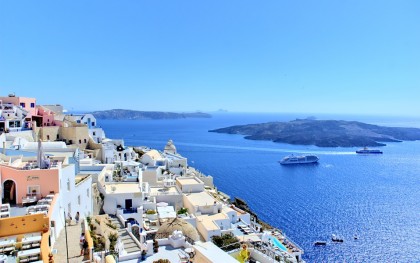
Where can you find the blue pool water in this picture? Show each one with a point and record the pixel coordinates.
(376, 197)
(278, 244)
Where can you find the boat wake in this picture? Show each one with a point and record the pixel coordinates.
(262, 149)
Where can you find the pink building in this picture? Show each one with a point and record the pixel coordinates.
(45, 117)
(29, 104)
(17, 183)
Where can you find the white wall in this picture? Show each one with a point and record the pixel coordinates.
(112, 200)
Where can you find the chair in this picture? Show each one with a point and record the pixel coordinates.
(35, 244)
(183, 258)
(34, 258)
(28, 246)
(8, 249)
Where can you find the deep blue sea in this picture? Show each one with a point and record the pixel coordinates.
(375, 197)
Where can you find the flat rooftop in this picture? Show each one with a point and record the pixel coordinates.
(200, 199)
(164, 191)
(188, 181)
(208, 221)
(122, 188)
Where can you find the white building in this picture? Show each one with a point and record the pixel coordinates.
(12, 118)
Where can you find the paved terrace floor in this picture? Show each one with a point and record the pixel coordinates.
(73, 235)
(165, 252)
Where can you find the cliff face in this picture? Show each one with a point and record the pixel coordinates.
(324, 133)
(119, 114)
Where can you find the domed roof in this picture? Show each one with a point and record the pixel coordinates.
(170, 147)
(167, 228)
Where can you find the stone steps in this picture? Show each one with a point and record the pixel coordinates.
(129, 244)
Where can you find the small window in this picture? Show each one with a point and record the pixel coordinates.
(22, 104)
(68, 184)
(93, 123)
(58, 136)
(48, 137)
(80, 141)
(78, 200)
(33, 189)
(85, 140)
(94, 133)
(78, 121)
(32, 105)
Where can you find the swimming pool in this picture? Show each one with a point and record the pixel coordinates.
(278, 244)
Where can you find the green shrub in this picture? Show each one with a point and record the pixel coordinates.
(183, 210)
(150, 212)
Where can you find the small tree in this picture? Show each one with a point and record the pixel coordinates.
(226, 242)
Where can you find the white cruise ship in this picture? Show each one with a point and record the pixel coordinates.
(292, 159)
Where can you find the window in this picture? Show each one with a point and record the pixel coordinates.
(32, 105)
(87, 192)
(48, 137)
(34, 189)
(94, 133)
(68, 184)
(58, 136)
(93, 123)
(85, 140)
(80, 141)
(78, 200)
(78, 121)
(22, 104)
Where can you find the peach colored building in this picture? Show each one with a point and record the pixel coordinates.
(18, 183)
(29, 104)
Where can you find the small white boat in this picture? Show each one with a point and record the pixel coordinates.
(303, 159)
(335, 238)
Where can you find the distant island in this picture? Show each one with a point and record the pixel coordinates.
(324, 133)
(120, 114)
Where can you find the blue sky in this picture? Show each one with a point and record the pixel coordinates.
(360, 57)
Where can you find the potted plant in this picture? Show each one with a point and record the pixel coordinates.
(143, 254)
(45, 228)
(155, 246)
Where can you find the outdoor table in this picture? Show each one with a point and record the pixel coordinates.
(5, 242)
(29, 252)
(32, 239)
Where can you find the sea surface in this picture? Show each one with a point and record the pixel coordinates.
(375, 197)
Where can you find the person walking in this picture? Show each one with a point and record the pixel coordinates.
(69, 217)
(82, 244)
(77, 217)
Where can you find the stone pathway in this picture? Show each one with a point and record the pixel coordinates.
(130, 245)
(73, 235)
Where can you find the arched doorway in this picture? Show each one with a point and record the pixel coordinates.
(9, 192)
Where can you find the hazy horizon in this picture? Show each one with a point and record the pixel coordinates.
(324, 57)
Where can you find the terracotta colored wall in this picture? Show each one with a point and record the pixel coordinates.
(47, 179)
(19, 225)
